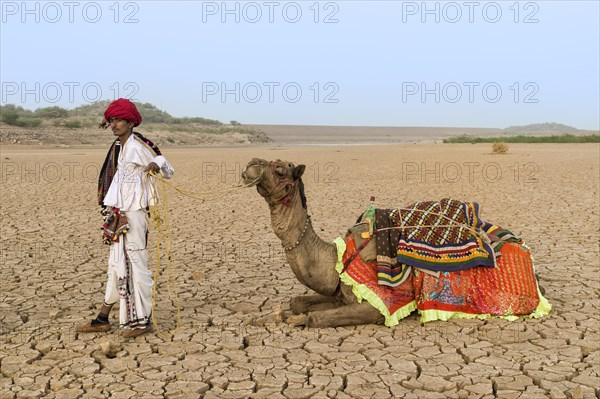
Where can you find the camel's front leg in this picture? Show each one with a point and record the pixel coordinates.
(305, 303)
(348, 315)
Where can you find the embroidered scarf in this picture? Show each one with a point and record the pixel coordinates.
(109, 168)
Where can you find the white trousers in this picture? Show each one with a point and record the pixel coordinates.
(129, 278)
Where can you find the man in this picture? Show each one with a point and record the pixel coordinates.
(124, 193)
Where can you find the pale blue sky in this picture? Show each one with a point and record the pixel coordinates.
(482, 64)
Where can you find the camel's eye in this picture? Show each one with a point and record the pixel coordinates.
(280, 171)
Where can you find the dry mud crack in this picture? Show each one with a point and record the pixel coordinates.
(234, 286)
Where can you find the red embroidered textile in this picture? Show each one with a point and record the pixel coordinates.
(510, 289)
(393, 297)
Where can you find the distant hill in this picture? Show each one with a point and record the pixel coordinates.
(150, 114)
(56, 125)
(535, 133)
(551, 128)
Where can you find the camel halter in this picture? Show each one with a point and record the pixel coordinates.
(282, 183)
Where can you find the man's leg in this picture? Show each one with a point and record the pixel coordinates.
(141, 276)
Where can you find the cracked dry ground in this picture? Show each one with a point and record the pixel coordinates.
(234, 286)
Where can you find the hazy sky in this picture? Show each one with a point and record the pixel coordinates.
(399, 63)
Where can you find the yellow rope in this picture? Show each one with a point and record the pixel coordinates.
(159, 215)
(215, 194)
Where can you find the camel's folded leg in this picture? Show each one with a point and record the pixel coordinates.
(354, 314)
(303, 304)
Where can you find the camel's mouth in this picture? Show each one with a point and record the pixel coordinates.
(252, 174)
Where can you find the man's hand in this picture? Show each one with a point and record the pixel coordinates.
(152, 167)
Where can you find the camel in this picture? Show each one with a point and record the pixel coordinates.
(312, 260)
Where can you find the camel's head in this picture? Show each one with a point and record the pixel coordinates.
(275, 181)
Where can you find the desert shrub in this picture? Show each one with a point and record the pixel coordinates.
(10, 117)
(235, 123)
(28, 122)
(73, 124)
(499, 148)
(51, 112)
(564, 138)
(11, 108)
(196, 119)
(18, 116)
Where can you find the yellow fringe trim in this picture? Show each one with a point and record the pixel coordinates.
(362, 292)
(543, 309)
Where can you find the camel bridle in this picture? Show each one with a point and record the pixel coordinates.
(280, 183)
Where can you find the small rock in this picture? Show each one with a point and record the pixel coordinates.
(198, 275)
(53, 314)
(110, 349)
(297, 320)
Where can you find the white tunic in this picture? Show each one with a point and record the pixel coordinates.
(129, 190)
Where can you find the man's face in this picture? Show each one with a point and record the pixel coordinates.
(120, 127)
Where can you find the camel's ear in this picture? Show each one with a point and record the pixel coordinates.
(299, 171)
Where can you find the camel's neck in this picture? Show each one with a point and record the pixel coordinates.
(312, 260)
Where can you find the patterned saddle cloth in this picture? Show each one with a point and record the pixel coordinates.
(439, 236)
(443, 260)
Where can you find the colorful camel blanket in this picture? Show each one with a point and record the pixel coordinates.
(441, 236)
(509, 290)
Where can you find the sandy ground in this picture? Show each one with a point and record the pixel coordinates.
(233, 283)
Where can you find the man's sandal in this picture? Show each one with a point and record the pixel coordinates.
(96, 327)
(136, 332)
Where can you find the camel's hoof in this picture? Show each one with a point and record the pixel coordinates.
(297, 320)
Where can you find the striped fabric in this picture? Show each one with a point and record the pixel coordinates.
(109, 168)
(389, 272)
(440, 236)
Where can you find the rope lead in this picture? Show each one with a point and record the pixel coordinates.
(159, 216)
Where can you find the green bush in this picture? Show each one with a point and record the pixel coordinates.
(196, 119)
(10, 117)
(235, 123)
(73, 124)
(51, 112)
(11, 108)
(28, 122)
(564, 138)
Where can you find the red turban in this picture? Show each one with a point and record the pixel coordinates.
(123, 109)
